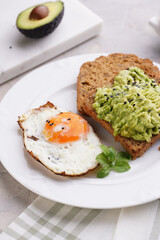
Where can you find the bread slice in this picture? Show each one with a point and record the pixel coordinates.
(101, 73)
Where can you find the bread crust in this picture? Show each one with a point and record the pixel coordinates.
(85, 95)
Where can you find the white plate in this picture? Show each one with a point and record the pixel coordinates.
(56, 82)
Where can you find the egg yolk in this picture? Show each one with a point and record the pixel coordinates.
(65, 127)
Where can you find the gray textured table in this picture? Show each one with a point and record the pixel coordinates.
(125, 30)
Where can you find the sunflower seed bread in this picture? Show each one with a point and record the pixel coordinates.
(101, 73)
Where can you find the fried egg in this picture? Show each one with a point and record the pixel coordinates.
(62, 141)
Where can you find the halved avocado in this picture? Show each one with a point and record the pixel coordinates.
(33, 27)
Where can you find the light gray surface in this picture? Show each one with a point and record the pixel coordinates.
(125, 30)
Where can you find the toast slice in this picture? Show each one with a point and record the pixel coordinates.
(90, 78)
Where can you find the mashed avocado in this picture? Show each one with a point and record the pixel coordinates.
(132, 105)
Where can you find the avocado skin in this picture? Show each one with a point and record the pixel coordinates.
(44, 30)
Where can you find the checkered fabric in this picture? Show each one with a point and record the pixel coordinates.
(48, 220)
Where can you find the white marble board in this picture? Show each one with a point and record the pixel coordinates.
(19, 54)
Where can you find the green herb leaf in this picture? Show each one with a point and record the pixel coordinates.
(121, 166)
(103, 172)
(111, 160)
(102, 159)
(123, 156)
(105, 149)
(112, 154)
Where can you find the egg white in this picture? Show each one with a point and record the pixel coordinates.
(72, 158)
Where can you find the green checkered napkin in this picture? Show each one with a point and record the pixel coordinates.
(45, 219)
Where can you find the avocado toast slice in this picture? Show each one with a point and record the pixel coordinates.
(101, 73)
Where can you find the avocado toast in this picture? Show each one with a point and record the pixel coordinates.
(100, 74)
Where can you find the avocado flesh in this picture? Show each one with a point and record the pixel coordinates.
(40, 28)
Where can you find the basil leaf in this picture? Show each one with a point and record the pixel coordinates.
(121, 166)
(102, 159)
(105, 149)
(112, 154)
(103, 172)
(123, 156)
(111, 160)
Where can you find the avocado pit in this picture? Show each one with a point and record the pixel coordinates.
(39, 12)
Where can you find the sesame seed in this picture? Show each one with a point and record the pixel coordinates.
(69, 119)
(125, 102)
(62, 127)
(149, 110)
(138, 94)
(134, 104)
